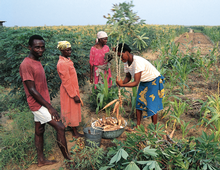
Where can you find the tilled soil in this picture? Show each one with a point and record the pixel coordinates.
(193, 42)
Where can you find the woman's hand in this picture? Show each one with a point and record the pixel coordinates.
(77, 99)
(91, 80)
(91, 74)
(119, 82)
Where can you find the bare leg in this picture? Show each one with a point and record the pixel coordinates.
(61, 139)
(139, 115)
(154, 119)
(39, 140)
(76, 134)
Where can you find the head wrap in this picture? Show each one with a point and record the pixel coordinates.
(62, 45)
(101, 34)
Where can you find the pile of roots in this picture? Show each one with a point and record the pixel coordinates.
(110, 123)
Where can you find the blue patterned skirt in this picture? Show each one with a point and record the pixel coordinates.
(150, 95)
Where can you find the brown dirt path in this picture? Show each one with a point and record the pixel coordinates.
(189, 42)
(57, 155)
(195, 41)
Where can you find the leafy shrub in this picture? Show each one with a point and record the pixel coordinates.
(14, 48)
(89, 158)
(203, 152)
(143, 150)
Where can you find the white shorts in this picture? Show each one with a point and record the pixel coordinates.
(42, 115)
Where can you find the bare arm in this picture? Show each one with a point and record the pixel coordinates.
(137, 78)
(127, 78)
(37, 96)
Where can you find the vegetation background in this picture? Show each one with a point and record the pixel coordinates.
(196, 152)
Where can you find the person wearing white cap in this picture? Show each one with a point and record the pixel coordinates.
(97, 62)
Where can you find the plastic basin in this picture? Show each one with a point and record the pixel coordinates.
(93, 135)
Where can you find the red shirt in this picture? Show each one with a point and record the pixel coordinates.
(33, 70)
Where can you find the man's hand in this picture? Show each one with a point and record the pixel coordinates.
(119, 82)
(54, 115)
(77, 99)
(37, 96)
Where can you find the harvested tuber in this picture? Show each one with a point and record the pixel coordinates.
(110, 124)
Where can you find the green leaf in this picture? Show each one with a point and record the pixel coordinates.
(149, 151)
(204, 167)
(142, 162)
(124, 154)
(116, 157)
(97, 109)
(214, 118)
(132, 166)
(101, 100)
(106, 167)
(119, 155)
(211, 167)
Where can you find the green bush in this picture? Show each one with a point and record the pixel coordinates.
(89, 158)
(14, 48)
(142, 151)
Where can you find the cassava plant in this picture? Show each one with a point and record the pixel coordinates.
(88, 158)
(135, 153)
(14, 48)
(122, 24)
(142, 151)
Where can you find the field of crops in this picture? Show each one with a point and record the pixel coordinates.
(185, 73)
(188, 133)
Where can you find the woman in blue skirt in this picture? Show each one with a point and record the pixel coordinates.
(150, 81)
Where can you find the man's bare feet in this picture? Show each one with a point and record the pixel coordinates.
(46, 162)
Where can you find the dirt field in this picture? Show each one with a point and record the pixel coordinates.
(195, 41)
(199, 90)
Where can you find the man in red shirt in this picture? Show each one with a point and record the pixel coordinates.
(38, 98)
